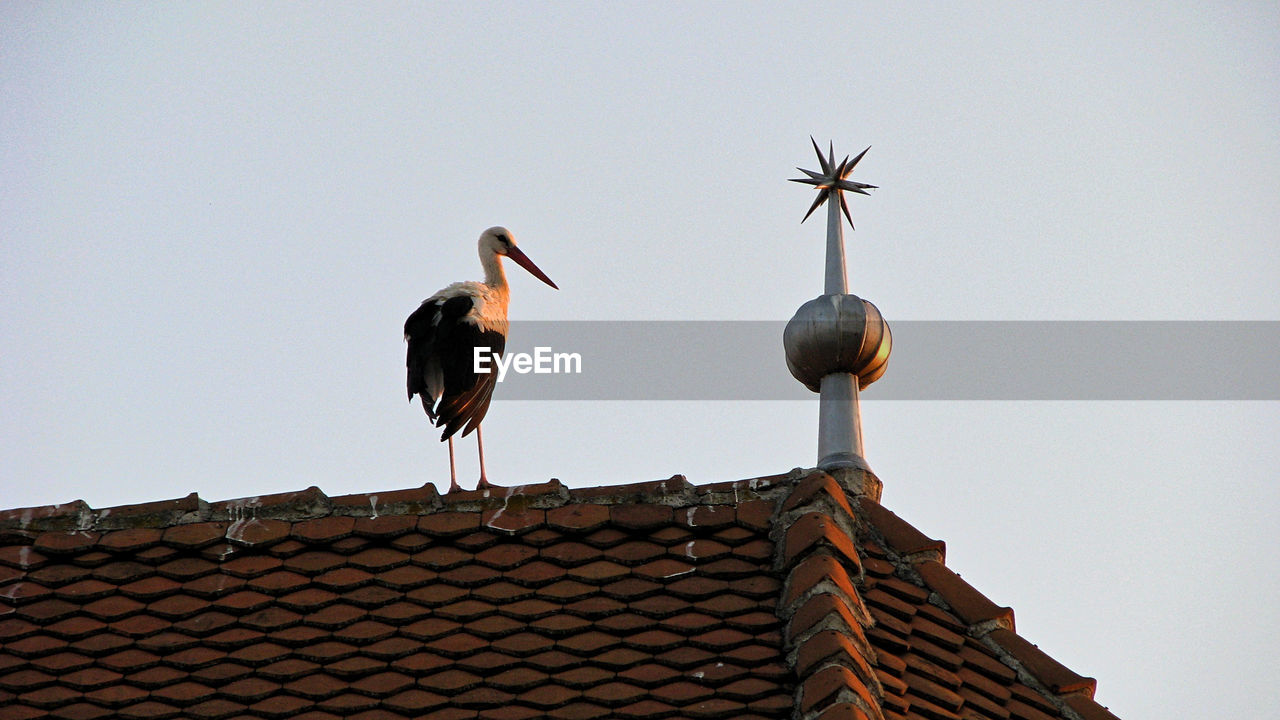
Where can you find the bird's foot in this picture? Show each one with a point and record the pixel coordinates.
(484, 484)
(454, 486)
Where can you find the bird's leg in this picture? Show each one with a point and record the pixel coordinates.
(484, 481)
(453, 473)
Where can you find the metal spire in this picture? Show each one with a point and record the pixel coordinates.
(837, 343)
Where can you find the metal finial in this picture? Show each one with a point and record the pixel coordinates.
(833, 179)
(837, 343)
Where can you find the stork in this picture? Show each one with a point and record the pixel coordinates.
(443, 335)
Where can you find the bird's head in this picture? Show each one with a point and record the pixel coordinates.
(498, 241)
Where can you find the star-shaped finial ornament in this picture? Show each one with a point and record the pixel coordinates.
(832, 179)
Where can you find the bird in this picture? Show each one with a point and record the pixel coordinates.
(443, 335)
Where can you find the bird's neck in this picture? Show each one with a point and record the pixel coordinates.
(494, 277)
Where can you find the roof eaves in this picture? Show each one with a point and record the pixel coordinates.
(921, 558)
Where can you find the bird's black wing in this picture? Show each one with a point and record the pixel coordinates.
(419, 331)
(424, 368)
(466, 392)
(441, 363)
(422, 332)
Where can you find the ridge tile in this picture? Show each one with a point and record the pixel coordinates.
(971, 606)
(1052, 673)
(818, 528)
(900, 535)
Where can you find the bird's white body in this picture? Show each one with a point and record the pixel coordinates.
(447, 331)
(489, 308)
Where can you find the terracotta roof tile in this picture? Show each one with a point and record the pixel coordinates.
(638, 601)
(814, 528)
(24, 592)
(347, 702)
(63, 543)
(1088, 709)
(815, 489)
(218, 671)
(540, 537)
(182, 569)
(62, 662)
(583, 517)
(513, 521)
(817, 572)
(971, 606)
(108, 609)
(821, 612)
(139, 626)
(65, 517)
(506, 557)
(483, 538)
(342, 579)
(646, 708)
(569, 553)
(448, 523)
(325, 529)
(280, 706)
(730, 568)
(1047, 670)
(131, 540)
(279, 582)
(257, 531)
(386, 525)
(400, 612)
(604, 537)
(411, 542)
(640, 516)
(85, 590)
(635, 552)
(81, 711)
(357, 666)
(371, 596)
(250, 566)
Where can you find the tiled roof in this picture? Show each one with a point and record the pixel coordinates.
(777, 597)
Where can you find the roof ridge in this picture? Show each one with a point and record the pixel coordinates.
(823, 610)
(312, 503)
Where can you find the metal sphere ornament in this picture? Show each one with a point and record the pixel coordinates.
(837, 334)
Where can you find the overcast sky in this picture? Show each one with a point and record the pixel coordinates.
(214, 218)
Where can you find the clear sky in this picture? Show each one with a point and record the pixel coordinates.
(214, 218)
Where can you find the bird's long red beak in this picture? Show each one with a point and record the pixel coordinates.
(523, 261)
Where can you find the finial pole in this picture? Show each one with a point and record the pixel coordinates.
(839, 411)
(837, 282)
(837, 342)
(840, 423)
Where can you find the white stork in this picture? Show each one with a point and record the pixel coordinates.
(443, 334)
